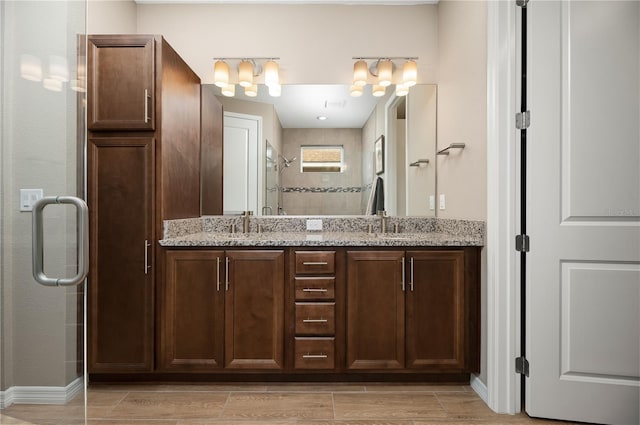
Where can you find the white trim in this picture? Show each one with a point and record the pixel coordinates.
(480, 388)
(41, 395)
(503, 387)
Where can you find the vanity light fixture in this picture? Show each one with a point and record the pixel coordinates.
(251, 91)
(382, 68)
(221, 74)
(356, 91)
(248, 70)
(378, 90)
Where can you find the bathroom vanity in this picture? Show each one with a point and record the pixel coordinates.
(338, 305)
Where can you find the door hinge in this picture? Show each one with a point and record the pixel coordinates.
(522, 243)
(523, 120)
(522, 366)
(522, 3)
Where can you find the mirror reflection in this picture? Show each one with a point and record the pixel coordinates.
(264, 162)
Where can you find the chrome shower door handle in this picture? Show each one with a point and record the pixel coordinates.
(82, 217)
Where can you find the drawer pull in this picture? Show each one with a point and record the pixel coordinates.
(314, 320)
(314, 263)
(314, 290)
(315, 356)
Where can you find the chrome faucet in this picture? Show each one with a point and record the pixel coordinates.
(245, 221)
(383, 221)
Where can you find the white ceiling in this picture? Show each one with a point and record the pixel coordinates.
(301, 104)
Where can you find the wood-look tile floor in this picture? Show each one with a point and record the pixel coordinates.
(273, 404)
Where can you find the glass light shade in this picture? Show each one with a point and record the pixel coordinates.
(378, 90)
(30, 68)
(245, 74)
(402, 90)
(78, 85)
(275, 90)
(385, 73)
(410, 73)
(52, 84)
(58, 68)
(229, 90)
(251, 91)
(271, 76)
(221, 74)
(360, 73)
(356, 91)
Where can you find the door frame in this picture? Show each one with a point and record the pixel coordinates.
(502, 392)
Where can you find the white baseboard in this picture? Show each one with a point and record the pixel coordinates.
(480, 388)
(41, 395)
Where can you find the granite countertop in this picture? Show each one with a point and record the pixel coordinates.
(338, 231)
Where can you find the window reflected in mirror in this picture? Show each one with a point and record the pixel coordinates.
(326, 159)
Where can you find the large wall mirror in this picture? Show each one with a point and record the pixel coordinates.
(315, 151)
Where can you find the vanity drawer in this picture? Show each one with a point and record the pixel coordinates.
(315, 262)
(315, 319)
(315, 288)
(315, 353)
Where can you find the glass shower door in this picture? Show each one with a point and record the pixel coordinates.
(42, 344)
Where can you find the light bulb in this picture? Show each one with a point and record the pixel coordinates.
(221, 74)
(245, 74)
(385, 72)
(378, 90)
(410, 73)
(271, 76)
(356, 91)
(275, 90)
(402, 90)
(229, 90)
(30, 68)
(251, 91)
(360, 73)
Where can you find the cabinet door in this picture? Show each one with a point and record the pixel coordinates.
(375, 310)
(192, 311)
(121, 90)
(435, 310)
(120, 182)
(254, 308)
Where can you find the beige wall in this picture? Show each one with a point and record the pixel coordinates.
(315, 43)
(462, 110)
(111, 17)
(462, 117)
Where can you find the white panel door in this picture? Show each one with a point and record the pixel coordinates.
(240, 164)
(583, 270)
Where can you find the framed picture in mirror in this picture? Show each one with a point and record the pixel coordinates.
(378, 152)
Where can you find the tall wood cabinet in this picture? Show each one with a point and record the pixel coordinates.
(222, 309)
(143, 163)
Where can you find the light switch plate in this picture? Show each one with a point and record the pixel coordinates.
(432, 202)
(28, 197)
(314, 224)
(441, 203)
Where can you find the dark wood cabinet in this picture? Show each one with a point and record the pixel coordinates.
(254, 309)
(120, 187)
(222, 309)
(143, 167)
(192, 311)
(435, 306)
(412, 310)
(121, 90)
(375, 310)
